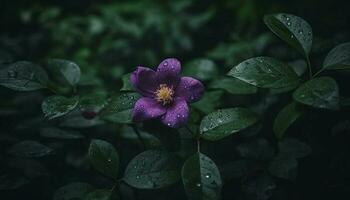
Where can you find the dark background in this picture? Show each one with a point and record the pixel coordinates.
(110, 38)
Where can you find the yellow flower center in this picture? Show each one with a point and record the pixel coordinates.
(164, 94)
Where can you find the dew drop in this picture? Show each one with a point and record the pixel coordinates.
(300, 32)
(288, 23)
(165, 63)
(287, 18)
(291, 36)
(109, 160)
(198, 185)
(207, 175)
(137, 177)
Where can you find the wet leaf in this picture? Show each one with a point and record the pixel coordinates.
(104, 158)
(293, 148)
(101, 194)
(23, 76)
(283, 166)
(338, 57)
(119, 108)
(152, 169)
(57, 106)
(292, 29)
(225, 122)
(320, 92)
(201, 178)
(233, 86)
(266, 72)
(127, 86)
(64, 71)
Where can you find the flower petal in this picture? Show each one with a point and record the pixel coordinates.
(144, 81)
(168, 72)
(177, 114)
(147, 108)
(190, 89)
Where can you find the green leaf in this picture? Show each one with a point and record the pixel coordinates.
(119, 108)
(202, 69)
(57, 106)
(52, 132)
(104, 158)
(293, 148)
(320, 92)
(225, 122)
(286, 117)
(292, 29)
(233, 86)
(152, 169)
(201, 178)
(257, 149)
(127, 86)
(64, 71)
(283, 166)
(93, 101)
(209, 101)
(72, 191)
(101, 194)
(12, 181)
(29, 148)
(338, 57)
(265, 72)
(23, 76)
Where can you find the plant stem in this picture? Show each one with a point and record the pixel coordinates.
(139, 136)
(309, 67)
(198, 146)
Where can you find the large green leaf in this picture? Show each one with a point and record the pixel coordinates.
(23, 76)
(202, 69)
(201, 178)
(104, 158)
(257, 149)
(225, 122)
(338, 57)
(286, 117)
(152, 169)
(265, 72)
(320, 92)
(64, 71)
(29, 148)
(57, 106)
(119, 108)
(233, 86)
(293, 148)
(72, 191)
(292, 29)
(283, 166)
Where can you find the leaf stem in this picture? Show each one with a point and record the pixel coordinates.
(309, 67)
(139, 136)
(317, 73)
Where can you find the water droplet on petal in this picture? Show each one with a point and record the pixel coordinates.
(165, 63)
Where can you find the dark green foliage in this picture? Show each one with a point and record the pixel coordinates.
(273, 122)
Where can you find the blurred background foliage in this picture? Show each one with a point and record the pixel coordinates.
(108, 39)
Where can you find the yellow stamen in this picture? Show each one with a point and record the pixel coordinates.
(164, 94)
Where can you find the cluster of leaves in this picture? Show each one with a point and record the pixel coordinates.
(186, 154)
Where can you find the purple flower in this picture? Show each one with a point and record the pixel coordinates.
(165, 93)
